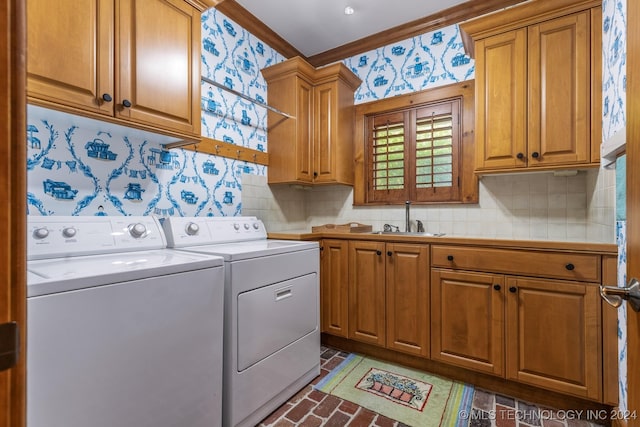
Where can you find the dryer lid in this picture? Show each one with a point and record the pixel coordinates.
(253, 249)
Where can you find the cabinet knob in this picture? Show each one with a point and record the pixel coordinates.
(450, 257)
(570, 267)
(378, 253)
(513, 289)
(389, 253)
(497, 287)
(535, 154)
(315, 174)
(322, 248)
(520, 156)
(106, 97)
(126, 103)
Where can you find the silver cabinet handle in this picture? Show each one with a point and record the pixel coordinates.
(614, 295)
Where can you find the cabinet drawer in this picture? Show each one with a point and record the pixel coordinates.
(581, 267)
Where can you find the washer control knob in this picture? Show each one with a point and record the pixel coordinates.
(69, 232)
(40, 233)
(192, 229)
(137, 230)
(236, 226)
(256, 226)
(246, 226)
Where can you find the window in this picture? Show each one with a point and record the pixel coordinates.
(413, 154)
(416, 151)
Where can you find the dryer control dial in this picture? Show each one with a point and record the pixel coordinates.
(236, 226)
(192, 229)
(256, 226)
(69, 232)
(246, 226)
(41, 233)
(137, 230)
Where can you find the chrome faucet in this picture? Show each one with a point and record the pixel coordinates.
(407, 205)
(388, 228)
(420, 227)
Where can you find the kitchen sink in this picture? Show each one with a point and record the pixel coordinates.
(408, 233)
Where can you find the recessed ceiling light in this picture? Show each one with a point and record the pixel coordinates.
(348, 10)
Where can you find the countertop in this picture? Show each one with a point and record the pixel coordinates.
(582, 247)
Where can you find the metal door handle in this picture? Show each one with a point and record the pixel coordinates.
(614, 295)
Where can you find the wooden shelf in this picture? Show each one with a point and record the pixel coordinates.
(224, 149)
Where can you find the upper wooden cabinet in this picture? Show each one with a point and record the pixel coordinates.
(133, 62)
(538, 86)
(316, 146)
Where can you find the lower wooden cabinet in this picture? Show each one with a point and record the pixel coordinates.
(389, 295)
(334, 281)
(467, 320)
(407, 303)
(469, 307)
(542, 332)
(367, 292)
(553, 335)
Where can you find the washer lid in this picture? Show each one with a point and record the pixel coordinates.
(253, 249)
(71, 273)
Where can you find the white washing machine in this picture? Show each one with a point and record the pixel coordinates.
(120, 330)
(272, 320)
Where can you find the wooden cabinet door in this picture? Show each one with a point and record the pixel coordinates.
(325, 132)
(290, 141)
(367, 292)
(501, 101)
(303, 147)
(559, 91)
(70, 54)
(334, 287)
(333, 132)
(467, 320)
(553, 335)
(158, 74)
(407, 291)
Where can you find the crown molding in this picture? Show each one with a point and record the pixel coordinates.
(244, 18)
(203, 5)
(450, 16)
(453, 15)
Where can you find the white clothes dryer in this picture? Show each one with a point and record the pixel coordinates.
(272, 305)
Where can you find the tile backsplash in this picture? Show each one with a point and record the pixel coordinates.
(537, 206)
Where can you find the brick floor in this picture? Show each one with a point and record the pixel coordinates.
(312, 408)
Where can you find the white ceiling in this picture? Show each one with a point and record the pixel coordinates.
(315, 26)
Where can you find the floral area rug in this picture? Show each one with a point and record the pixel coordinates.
(410, 396)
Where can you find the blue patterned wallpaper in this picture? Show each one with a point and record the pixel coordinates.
(614, 78)
(614, 62)
(80, 166)
(233, 57)
(433, 59)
